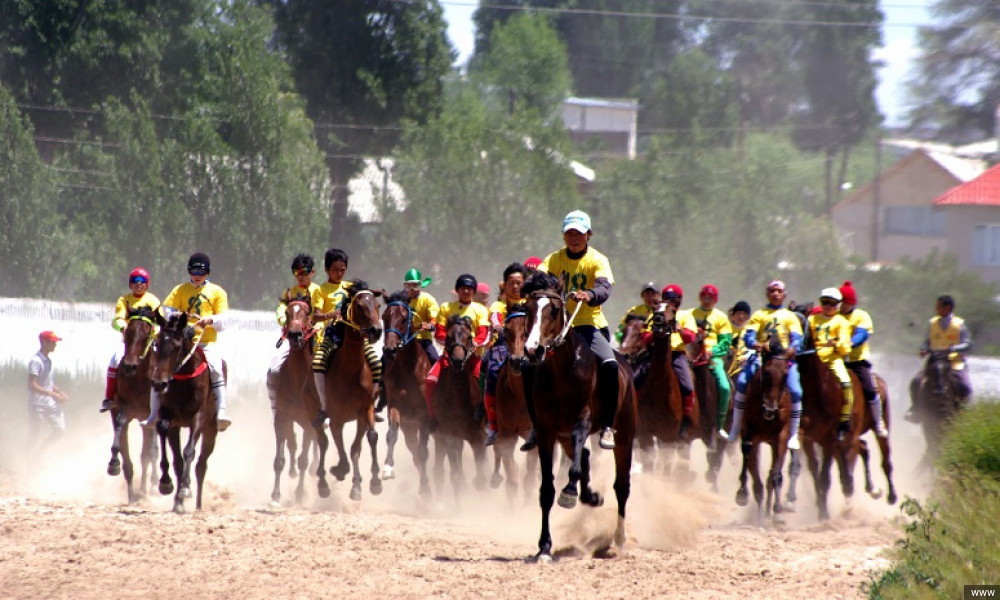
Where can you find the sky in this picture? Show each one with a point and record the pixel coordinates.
(899, 36)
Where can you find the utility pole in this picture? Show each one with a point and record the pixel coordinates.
(876, 197)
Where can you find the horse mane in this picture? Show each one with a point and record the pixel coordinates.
(540, 281)
(358, 285)
(400, 296)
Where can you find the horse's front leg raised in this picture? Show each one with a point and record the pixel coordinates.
(568, 495)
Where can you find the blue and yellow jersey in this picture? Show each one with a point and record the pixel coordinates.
(779, 320)
(860, 319)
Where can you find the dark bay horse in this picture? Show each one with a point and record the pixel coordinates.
(766, 421)
(350, 390)
(659, 401)
(560, 382)
(132, 402)
(513, 420)
(181, 377)
(454, 405)
(296, 401)
(707, 392)
(935, 399)
(406, 367)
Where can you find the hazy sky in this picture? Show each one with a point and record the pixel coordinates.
(899, 35)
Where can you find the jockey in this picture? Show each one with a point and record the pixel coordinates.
(858, 360)
(513, 279)
(831, 337)
(650, 301)
(718, 336)
(739, 314)
(333, 294)
(587, 280)
(946, 331)
(773, 318)
(139, 296)
(531, 264)
(465, 307)
(685, 332)
(425, 310)
(306, 290)
(207, 301)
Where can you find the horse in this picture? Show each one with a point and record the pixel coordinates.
(132, 402)
(406, 367)
(181, 377)
(350, 390)
(659, 401)
(707, 392)
(766, 420)
(454, 405)
(296, 401)
(934, 399)
(560, 383)
(513, 420)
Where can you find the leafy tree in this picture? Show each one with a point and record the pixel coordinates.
(956, 88)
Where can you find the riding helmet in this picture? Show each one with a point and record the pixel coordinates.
(466, 280)
(199, 262)
(138, 272)
(710, 290)
(672, 291)
(832, 293)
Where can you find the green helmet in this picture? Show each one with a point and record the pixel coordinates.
(413, 276)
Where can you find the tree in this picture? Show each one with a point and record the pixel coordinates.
(956, 89)
(364, 67)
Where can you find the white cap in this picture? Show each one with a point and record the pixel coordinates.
(578, 220)
(832, 293)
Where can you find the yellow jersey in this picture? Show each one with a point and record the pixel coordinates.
(332, 295)
(639, 310)
(859, 318)
(580, 274)
(780, 320)
(130, 302)
(823, 330)
(313, 294)
(425, 310)
(203, 301)
(715, 323)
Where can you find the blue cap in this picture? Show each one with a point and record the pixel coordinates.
(578, 220)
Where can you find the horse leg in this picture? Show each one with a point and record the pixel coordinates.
(148, 461)
(184, 476)
(623, 487)
(886, 450)
(454, 453)
(420, 452)
(587, 495)
(479, 457)
(207, 446)
(174, 435)
(322, 444)
(845, 462)
(546, 494)
(870, 487)
(356, 461)
(279, 459)
(715, 463)
(742, 494)
(646, 453)
(758, 483)
(823, 486)
(375, 487)
(343, 466)
(292, 444)
(166, 485)
(118, 422)
(568, 495)
(775, 480)
(389, 470)
(440, 453)
(307, 442)
(497, 478)
(794, 469)
(127, 467)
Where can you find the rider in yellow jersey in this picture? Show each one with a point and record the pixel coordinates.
(859, 358)
(946, 331)
(425, 311)
(739, 314)
(513, 279)
(138, 297)
(831, 336)
(718, 336)
(650, 295)
(209, 303)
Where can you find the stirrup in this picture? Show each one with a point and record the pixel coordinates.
(491, 438)
(793, 443)
(530, 442)
(607, 439)
(106, 405)
(881, 431)
(320, 418)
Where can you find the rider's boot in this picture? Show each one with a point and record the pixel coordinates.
(221, 417)
(530, 441)
(688, 408)
(491, 433)
(879, 425)
(793, 425)
(739, 403)
(319, 378)
(111, 390)
(154, 411)
(843, 430)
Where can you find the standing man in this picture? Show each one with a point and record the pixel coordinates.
(44, 397)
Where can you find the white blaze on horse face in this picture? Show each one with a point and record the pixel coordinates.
(534, 338)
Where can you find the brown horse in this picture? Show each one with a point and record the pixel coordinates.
(406, 367)
(296, 401)
(560, 382)
(181, 378)
(513, 420)
(707, 392)
(132, 402)
(766, 420)
(454, 405)
(935, 399)
(350, 390)
(659, 401)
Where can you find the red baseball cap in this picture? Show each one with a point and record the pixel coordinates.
(532, 262)
(482, 288)
(711, 290)
(49, 336)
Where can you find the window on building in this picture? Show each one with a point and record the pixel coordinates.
(986, 245)
(914, 220)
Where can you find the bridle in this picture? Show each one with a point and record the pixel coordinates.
(172, 333)
(406, 336)
(558, 340)
(308, 334)
(468, 347)
(349, 318)
(150, 338)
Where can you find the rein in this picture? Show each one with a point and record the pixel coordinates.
(409, 336)
(349, 319)
(194, 347)
(307, 334)
(559, 339)
(150, 338)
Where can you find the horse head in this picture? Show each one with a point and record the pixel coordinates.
(773, 374)
(546, 316)
(397, 322)
(298, 324)
(664, 320)
(632, 336)
(937, 373)
(138, 338)
(515, 333)
(170, 344)
(362, 311)
(459, 343)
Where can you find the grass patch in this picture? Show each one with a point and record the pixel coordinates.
(950, 540)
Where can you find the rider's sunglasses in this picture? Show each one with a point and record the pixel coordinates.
(828, 303)
(302, 272)
(137, 279)
(197, 272)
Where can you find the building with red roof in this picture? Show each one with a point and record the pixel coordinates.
(972, 223)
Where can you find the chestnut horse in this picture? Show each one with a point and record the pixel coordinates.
(454, 405)
(181, 377)
(766, 420)
(513, 420)
(296, 401)
(659, 401)
(406, 367)
(350, 390)
(132, 402)
(560, 382)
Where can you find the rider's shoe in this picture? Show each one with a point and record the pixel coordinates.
(843, 429)
(320, 418)
(911, 416)
(608, 439)
(222, 419)
(685, 425)
(530, 442)
(722, 434)
(491, 438)
(793, 443)
(881, 431)
(107, 404)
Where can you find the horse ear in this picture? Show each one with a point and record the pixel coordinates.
(378, 293)
(158, 316)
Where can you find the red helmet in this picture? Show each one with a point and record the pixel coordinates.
(138, 272)
(672, 291)
(711, 290)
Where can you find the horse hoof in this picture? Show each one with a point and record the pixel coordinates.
(876, 493)
(742, 498)
(778, 519)
(595, 500)
(179, 508)
(275, 499)
(292, 473)
(375, 487)
(184, 492)
(355, 494)
(114, 468)
(566, 501)
(323, 490)
(166, 488)
(542, 558)
(789, 506)
(388, 472)
(636, 469)
(275, 503)
(496, 480)
(891, 498)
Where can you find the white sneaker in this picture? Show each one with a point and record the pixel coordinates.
(723, 435)
(881, 431)
(793, 443)
(608, 439)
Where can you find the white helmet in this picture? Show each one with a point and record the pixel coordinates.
(832, 293)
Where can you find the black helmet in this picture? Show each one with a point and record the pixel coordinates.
(466, 280)
(199, 262)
